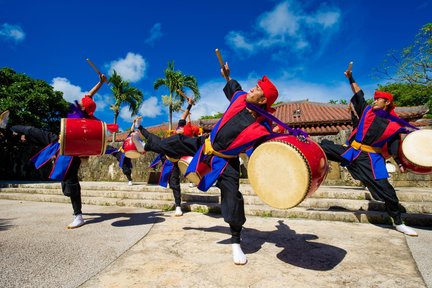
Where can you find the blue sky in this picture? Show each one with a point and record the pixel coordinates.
(302, 46)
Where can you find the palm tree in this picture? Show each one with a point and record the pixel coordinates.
(176, 80)
(124, 94)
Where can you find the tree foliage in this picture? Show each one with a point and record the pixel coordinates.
(176, 81)
(412, 64)
(406, 94)
(31, 102)
(217, 115)
(124, 94)
(340, 101)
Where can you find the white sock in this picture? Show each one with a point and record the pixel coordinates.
(239, 257)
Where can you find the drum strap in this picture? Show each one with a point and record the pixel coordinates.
(366, 148)
(208, 150)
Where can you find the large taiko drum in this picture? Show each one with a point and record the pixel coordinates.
(285, 170)
(194, 177)
(415, 152)
(130, 149)
(82, 137)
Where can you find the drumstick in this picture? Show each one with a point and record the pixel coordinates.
(95, 68)
(184, 96)
(221, 62)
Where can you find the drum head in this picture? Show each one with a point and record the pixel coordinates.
(279, 174)
(133, 154)
(417, 147)
(183, 164)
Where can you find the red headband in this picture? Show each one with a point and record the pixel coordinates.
(270, 92)
(88, 104)
(384, 95)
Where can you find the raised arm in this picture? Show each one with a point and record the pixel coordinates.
(188, 108)
(357, 102)
(354, 86)
(102, 79)
(232, 85)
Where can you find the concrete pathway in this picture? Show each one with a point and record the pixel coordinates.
(131, 247)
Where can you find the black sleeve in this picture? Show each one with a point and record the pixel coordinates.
(359, 103)
(393, 148)
(230, 88)
(35, 136)
(181, 123)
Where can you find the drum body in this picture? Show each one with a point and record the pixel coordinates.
(82, 137)
(415, 152)
(130, 149)
(194, 177)
(285, 170)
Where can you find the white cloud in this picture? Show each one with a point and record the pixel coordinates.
(132, 68)
(150, 108)
(288, 28)
(12, 32)
(238, 40)
(70, 92)
(155, 34)
(213, 98)
(280, 22)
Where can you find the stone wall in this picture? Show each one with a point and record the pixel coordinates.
(16, 166)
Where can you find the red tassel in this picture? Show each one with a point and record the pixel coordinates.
(112, 127)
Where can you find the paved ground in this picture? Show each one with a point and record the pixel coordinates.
(131, 247)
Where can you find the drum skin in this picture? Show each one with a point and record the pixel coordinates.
(415, 152)
(82, 137)
(285, 170)
(194, 177)
(129, 149)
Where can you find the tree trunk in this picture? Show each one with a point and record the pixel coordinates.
(170, 118)
(114, 134)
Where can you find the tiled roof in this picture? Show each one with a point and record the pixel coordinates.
(315, 118)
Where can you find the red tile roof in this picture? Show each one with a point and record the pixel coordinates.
(314, 117)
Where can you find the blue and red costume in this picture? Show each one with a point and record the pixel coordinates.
(376, 134)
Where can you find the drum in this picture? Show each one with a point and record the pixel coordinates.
(194, 177)
(82, 137)
(130, 149)
(285, 170)
(415, 152)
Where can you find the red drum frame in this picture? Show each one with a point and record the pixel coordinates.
(82, 137)
(415, 152)
(194, 177)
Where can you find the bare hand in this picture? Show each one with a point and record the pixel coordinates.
(348, 73)
(137, 120)
(402, 168)
(102, 78)
(225, 71)
(190, 101)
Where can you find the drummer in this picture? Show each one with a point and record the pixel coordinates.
(238, 129)
(65, 167)
(170, 169)
(189, 130)
(378, 128)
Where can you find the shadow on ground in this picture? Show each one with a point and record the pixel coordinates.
(300, 250)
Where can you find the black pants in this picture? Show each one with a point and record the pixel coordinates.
(361, 170)
(70, 184)
(126, 166)
(174, 183)
(232, 204)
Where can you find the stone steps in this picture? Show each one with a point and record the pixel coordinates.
(331, 203)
